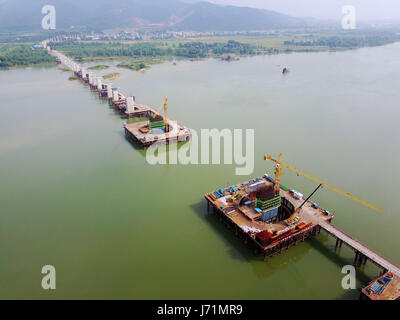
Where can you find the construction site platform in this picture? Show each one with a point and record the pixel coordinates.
(140, 134)
(140, 111)
(244, 219)
(246, 222)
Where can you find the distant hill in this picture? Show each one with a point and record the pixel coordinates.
(163, 14)
(205, 16)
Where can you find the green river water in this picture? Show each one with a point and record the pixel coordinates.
(76, 195)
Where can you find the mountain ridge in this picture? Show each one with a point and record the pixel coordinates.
(164, 14)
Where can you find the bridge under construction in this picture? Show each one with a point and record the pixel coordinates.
(265, 214)
(157, 130)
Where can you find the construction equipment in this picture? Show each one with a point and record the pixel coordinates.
(278, 172)
(238, 195)
(157, 113)
(348, 195)
(294, 218)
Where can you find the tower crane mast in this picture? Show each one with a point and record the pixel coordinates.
(164, 105)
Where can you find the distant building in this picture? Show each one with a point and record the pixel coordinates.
(36, 46)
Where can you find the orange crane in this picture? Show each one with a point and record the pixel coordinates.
(278, 172)
(164, 105)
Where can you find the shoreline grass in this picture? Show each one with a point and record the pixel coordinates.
(111, 76)
(99, 67)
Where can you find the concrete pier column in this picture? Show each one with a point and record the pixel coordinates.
(360, 260)
(99, 84)
(356, 258)
(130, 104)
(110, 94)
(115, 95)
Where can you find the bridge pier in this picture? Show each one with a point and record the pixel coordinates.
(356, 258)
(359, 259)
(338, 243)
(364, 261)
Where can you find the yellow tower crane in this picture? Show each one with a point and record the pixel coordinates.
(164, 105)
(278, 171)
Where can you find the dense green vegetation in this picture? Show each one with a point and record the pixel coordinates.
(111, 76)
(202, 49)
(191, 50)
(219, 47)
(143, 54)
(23, 55)
(137, 66)
(80, 51)
(99, 67)
(347, 41)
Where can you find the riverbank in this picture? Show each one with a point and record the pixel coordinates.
(140, 55)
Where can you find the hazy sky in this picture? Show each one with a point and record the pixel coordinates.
(326, 9)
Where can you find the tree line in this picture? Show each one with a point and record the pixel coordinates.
(23, 55)
(346, 41)
(187, 50)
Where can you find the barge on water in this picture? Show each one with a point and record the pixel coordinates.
(384, 287)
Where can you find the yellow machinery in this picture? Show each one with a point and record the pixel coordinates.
(278, 172)
(164, 105)
(294, 218)
(322, 183)
(238, 195)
